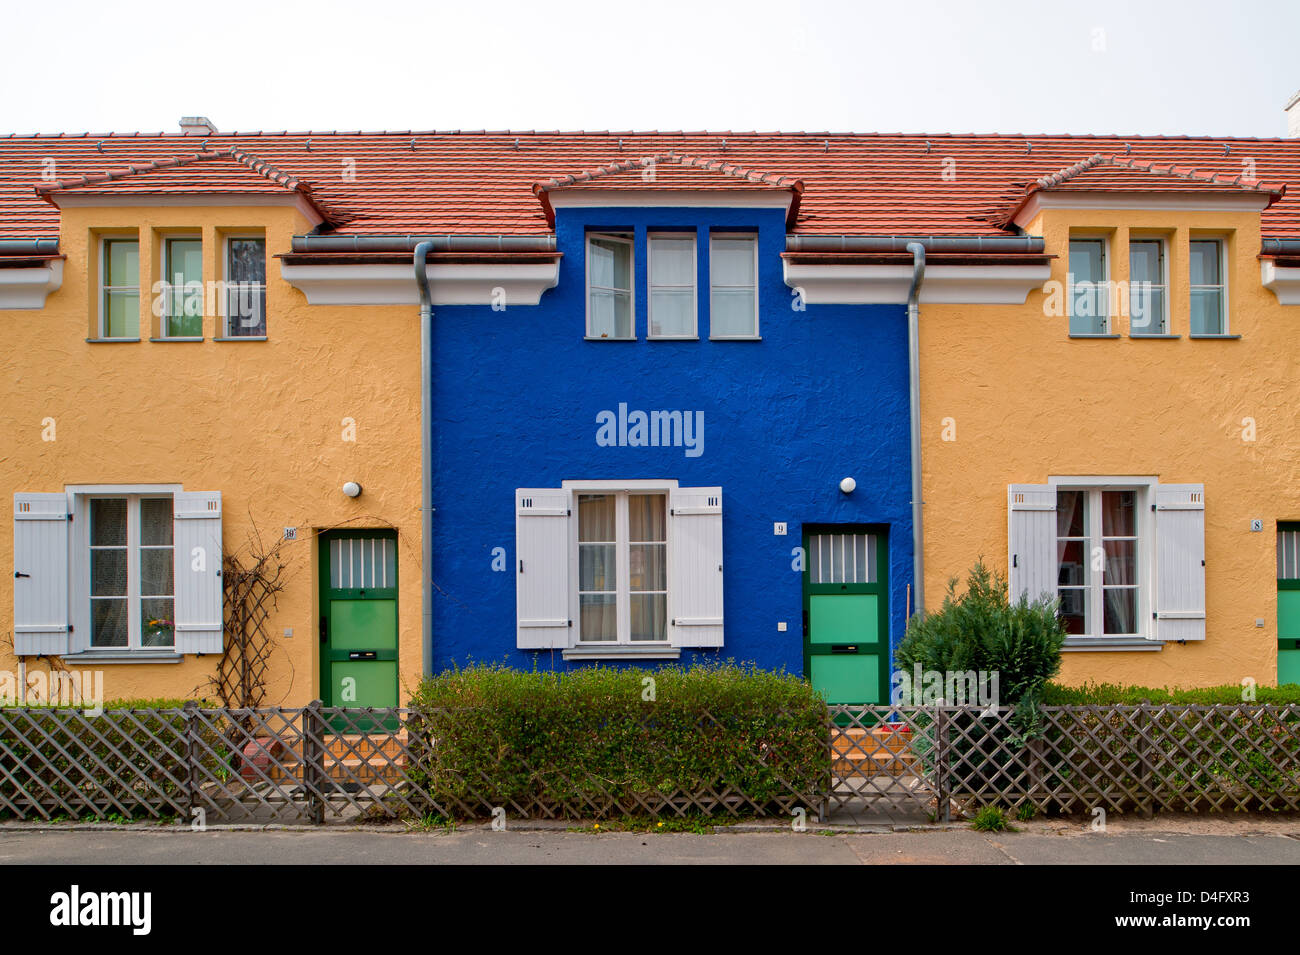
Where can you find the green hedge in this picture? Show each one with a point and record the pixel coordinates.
(590, 743)
(1093, 693)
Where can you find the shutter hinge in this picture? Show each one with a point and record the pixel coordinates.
(1014, 558)
(71, 628)
(19, 573)
(1153, 508)
(569, 624)
(521, 565)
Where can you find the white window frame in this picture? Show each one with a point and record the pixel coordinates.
(622, 490)
(227, 284)
(1103, 291)
(164, 259)
(1144, 489)
(79, 498)
(630, 242)
(693, 288)
(752, 238)
(1163, 245)
(101, 329)
(1224, 309)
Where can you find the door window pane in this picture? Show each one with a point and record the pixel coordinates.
(1089, 296)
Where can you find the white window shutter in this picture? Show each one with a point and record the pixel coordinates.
(40, 574)
(542, 544)
(1031, 536)
(199, 621)
(1179, 606)
(695, 566)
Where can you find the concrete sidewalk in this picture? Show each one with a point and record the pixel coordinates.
(1226, 842)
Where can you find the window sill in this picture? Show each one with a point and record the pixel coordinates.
(113, 341)
(1073, 335)
(651, 651)
(1159, 338)
(126, 656)
(735, 338)
(178, 339)
(1123, 644)
(672, 338)
(1226, 338)
(240, 338)
(598, 338)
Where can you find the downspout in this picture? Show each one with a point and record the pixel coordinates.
(914, 399)
(426, 452)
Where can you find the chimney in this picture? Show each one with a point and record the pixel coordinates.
(202, 126)
(1293, 116)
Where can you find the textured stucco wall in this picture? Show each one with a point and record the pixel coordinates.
(258, 421)
(821, 397)
(1029, 402)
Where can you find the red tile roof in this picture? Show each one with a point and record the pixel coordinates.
(1102, 173)
(669, 171)
(480, 183)
(211, 171)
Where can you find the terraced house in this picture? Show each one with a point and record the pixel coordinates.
(574, 399)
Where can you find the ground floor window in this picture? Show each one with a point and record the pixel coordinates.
(131, 571)
(1098, 552)
(623, 567)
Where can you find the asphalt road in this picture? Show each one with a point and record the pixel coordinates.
(481, 846)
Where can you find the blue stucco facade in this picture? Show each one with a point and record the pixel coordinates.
(517, 392)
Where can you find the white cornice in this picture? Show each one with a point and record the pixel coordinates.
(27, 288)
(571, 197)
(1284, 282)
(449, 284)
(889, 284)
(1243, 201)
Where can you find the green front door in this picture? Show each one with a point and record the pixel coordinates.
(1288, 603)
(846, 612)
(358, 618)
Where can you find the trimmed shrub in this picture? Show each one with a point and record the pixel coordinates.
(617, 741)
(980, 629)
(1096, 693)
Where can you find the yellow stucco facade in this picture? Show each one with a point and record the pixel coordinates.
(260, 421)
(1028, 402)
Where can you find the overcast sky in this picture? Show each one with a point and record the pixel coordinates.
(1131, 67)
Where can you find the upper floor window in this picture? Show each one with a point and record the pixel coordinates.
(119, 309)
(733, 279)
(1208, 290)
(182, 288)
(1088, 289)
(245, 287)
(672, 286)
(609, 287)
(1148, 287)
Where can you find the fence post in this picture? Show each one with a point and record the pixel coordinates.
(1146, 730)
(313, 764)
(943, 799)
(191, 755)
